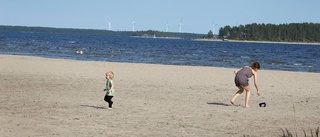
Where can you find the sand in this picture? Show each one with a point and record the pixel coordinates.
(57, 97)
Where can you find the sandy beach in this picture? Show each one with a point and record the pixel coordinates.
(57, 97)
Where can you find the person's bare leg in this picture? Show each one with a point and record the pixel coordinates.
(247, 88)
(236, 95)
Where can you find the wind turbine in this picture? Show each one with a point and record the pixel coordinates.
(213, 27)
(167, 27)
(133, 25)
(180, 26)
(109, 25)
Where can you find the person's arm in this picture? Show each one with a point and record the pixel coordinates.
(255, 77)
(111, 87)
(236, 71)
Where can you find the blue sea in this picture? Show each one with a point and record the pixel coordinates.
(287, 57)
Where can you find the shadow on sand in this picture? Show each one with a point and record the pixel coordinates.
(217, 103)
(96, 107)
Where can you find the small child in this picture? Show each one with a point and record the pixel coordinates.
(109, 89)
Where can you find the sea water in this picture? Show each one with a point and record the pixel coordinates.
(272, 56)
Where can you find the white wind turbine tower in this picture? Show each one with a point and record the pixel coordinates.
(133, 25)
(213, 27)
(180, 26)
(109, 25)
(167, 27)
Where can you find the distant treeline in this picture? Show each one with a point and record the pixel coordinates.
(293, 32)
(148, 33)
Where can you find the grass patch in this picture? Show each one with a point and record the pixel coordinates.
(287, 133)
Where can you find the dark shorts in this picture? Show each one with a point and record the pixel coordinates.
(241, 81)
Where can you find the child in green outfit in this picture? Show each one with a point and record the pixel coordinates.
(109, 89)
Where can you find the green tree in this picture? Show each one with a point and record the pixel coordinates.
(293, 32)
(210, 35)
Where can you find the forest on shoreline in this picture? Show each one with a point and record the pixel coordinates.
(293, 32)
(148, 33)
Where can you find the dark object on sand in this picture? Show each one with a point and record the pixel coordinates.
(263, 104)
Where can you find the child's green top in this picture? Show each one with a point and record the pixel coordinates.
(108, 86)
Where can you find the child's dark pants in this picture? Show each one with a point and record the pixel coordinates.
(108, 99)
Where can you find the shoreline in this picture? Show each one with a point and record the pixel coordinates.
(149, 63)
(248, 41)
(62, 97)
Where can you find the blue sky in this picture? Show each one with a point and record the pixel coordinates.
(197, 16)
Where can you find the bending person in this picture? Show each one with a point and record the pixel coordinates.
(242, 81)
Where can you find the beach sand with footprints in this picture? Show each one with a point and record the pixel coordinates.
(57, 97)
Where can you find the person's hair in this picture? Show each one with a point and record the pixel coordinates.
(110, 74)
(255, 65)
